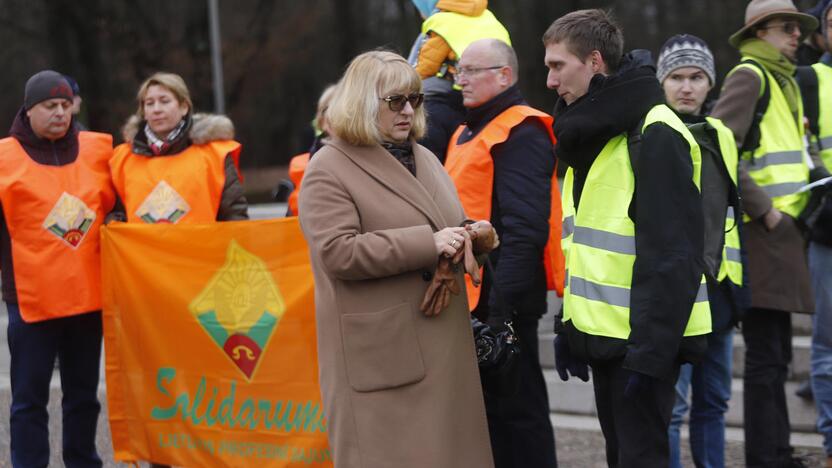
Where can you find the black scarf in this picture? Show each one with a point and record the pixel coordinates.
(403, 152)
(613, 105)
(479, 117)
(52, 153)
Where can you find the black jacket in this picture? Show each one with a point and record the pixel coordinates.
(520, 207)
(445, 113)
(50, 153)
(666, 210)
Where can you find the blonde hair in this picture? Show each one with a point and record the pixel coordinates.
(323, 106)
(170, 81)
(353, 114)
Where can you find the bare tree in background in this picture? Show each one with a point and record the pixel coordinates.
(279, 54)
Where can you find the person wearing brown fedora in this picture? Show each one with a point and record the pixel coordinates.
(761, 104)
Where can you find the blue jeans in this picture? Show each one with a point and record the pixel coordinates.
(820, 266)
(76, 342)
(710, 382)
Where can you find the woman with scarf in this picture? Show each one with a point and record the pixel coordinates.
(176, 166)
(400, 386)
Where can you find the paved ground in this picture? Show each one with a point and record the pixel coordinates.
(578, 448)
(579, 445)
(585, 449)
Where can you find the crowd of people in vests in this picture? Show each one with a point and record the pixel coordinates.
(437, 225)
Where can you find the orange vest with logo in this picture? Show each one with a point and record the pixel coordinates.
(181, 188)
(472, 169)
(297, 167)
(53, 214)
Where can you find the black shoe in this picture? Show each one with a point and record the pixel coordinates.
(798, 462)
(805, 390)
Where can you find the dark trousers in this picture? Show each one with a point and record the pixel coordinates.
(768, 351)
(76, 342)
(635, 428)
(519, 425)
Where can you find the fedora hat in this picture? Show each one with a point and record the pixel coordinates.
(758, 11)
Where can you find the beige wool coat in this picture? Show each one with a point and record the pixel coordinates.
(399, 389)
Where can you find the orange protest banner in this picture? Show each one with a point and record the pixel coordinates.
(210, 343)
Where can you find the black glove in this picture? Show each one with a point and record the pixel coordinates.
(637, 383)
(566, 364)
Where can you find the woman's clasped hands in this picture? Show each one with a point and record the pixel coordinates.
(455, 245)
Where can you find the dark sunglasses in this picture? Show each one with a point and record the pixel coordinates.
(396, 102)
(789, 27)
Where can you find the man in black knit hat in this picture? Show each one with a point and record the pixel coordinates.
(685, 68)
(55, 191)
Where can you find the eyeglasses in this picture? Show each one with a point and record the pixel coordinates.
(788, 27)
(397, 102)
(470, 71)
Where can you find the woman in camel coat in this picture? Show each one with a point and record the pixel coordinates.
(400, 388)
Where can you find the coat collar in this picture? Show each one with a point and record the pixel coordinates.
(383, 167)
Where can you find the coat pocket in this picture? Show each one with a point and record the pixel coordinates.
(381, 349)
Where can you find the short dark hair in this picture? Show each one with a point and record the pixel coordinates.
(586, 30)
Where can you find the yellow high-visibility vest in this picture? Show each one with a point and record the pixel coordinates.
(824, 73)
(460, 30)
(778, 164)
(600, 249)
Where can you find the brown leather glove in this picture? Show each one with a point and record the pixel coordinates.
(443, 284)
(484, 237)
(469, 260)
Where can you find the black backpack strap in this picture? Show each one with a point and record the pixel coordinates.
(752, 138)
(709, 140)
(634, 142)
(807, 78)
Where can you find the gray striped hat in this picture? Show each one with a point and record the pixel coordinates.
(685, 50)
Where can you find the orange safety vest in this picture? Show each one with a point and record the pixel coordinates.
(297, 166)
(182, 188)
(53, 214)
(472, 169)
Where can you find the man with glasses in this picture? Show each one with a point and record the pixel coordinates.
(502, 164)
(448, 27)
(761, 104)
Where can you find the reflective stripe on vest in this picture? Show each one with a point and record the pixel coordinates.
(824, 73)
(568, 229)
(778, 164)
(472, 169)
(731, 265)
(182, 188)
(601, 252)
(53, 214)
(297, 167)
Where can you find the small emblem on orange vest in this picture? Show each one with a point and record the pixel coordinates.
(163, 205)
(70, 219)
(240, 308)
